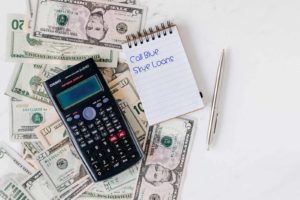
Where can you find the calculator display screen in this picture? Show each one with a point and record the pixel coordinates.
(79, 92)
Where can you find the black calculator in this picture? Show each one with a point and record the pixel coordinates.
(97, 127)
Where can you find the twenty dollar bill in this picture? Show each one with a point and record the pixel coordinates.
(98, 23)
(167, 148)
(23, 48)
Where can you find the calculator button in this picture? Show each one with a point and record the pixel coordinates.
(74, 127)
(105, 118)
(96, 166)
(76, 133)
(97, 137)
(90, 141)
(104, 143)
(101, 112)
(116, 165)
(90, 126)
(81, 123)
(108, 124)
(97, 122)
(77, 116)
(89, 113)
(111, 130)
(124, 160)
(99, 173)
(105, 100)
(111, 115)
(69, 119)
(112, 158)
(100, 155)
(96, 147)
(113, 138)
(80, 139)
(88, 152)
(121, 134)
(133, 156)
(121, 153)
(87, 135)
(92, 159)
(104, 162)
(115, 120)
(83, 144)
(101, 128)
(109, 109)
(83, 129)
(118, 127)
(104, 133)
(94, 132)
(98, 105)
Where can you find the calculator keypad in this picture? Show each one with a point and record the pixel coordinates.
(102, 138)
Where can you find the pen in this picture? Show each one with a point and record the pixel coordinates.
(214, 108)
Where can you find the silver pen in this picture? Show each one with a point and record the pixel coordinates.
(214, 108)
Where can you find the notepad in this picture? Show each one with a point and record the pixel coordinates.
(162, 73)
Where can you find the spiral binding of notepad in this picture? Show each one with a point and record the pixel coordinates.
(150, 34)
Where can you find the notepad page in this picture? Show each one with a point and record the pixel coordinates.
(163, 77)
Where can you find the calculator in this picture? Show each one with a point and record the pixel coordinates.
(97, 127)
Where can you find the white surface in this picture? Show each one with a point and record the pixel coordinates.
(256, 156)
(163, 77)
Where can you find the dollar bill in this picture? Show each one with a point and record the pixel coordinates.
(15, 192)
(52, 132)
(123, 89)
(3, 195)
(167, 147)
(63, 169)
(98, 23)
(22, 48)
(138, 128)
(97, 192)
(12, 166)
(38, 187)
(34, 147)
(25, 116)
(29, 149)
(26, 81)
(31, 3)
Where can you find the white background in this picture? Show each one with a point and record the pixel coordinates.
(256, 154)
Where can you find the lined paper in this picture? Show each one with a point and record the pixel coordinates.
(163, 77)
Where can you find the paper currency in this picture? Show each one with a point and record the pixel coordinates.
(22, 48)
(96, 192)
(64, 170)
(122, 87)
(12, 166)
(34, 147)
(52, 132)
(167, 147)
(137, 126)
(103, 24)
(124, 92)
(26, 81)
(15, 192)
(30, 4)
(3, 195)
(26, 116)
(29, 149)
(38, 188)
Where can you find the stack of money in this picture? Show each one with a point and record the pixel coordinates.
(50, 37)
